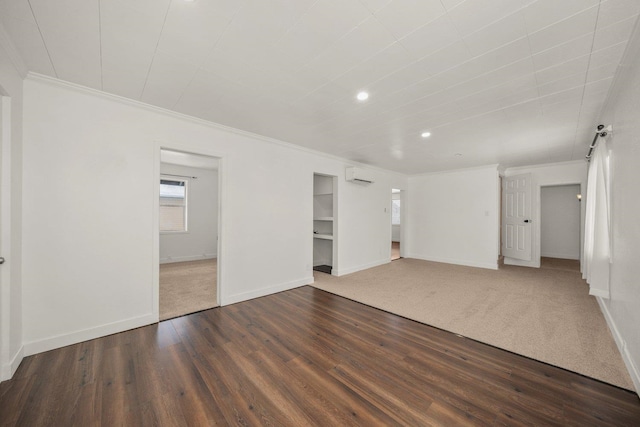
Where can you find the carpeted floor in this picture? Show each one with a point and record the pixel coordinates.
(187, 287)
(546, 314)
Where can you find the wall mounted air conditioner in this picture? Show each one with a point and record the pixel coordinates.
(358, 175)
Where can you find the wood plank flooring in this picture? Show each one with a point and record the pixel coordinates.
(297, 358)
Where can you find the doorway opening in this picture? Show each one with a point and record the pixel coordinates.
(325, 238)
(188, 242)
(560, 227)
(396, 223)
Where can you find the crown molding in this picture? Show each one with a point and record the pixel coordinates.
(546, 165)
(195, 120)
(493, 166)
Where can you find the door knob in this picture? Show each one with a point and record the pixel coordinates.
(1, 260)
(527, 221)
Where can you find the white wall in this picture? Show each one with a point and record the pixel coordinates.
(622, 110)
(453, 217)
(560, 222)
(201, 239)
(395, 233)
(89, 271)
(548, 175)
(11, 71)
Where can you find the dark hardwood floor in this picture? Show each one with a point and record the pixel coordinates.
(301, 357)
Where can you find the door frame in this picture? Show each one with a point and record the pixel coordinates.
(401, 197)
(197, 150)
(583, 189)
(536, 213)
(7, 367)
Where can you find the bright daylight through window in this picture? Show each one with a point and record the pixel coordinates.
(395, 212)
(173, 205)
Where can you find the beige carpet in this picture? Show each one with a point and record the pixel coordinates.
(187, 287)
(545, 313)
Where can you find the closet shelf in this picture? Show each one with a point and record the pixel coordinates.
(323, 236)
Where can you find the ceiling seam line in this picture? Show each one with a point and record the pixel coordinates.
(46, 48)
(213, 48)
(586, 78)
(155, 51)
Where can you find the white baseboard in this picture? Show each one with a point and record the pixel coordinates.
(561, 256)
(63, 340)
(521, 263)
(600, 293)
(10, 368)
(488, 265)
(349, 270)
(634, 372)
(169, 260)
(245, 296)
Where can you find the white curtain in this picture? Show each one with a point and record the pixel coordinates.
(597, 241)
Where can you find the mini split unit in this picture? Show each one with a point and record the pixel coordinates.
(358, 175)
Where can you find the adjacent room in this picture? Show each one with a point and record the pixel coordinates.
(348, 212)
(188, 217)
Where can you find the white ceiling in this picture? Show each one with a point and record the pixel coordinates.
(495, 81)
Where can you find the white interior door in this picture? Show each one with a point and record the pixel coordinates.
(516, 202)
(5, 235)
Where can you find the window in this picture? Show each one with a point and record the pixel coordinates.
(173, 205)
(395, 212)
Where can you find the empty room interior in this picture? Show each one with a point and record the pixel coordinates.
(314, 212)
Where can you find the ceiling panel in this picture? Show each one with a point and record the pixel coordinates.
(543, 13)
(495, 81)
(167, 80)
(472, 16)
(497, 34)
(403, 17)
(572, 27)
(28, 41)
(71, 31)
(431, 37)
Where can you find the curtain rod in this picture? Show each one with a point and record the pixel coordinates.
(599, 133)
(179, 176)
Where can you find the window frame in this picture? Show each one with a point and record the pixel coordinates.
(185, 180)
(399, 213)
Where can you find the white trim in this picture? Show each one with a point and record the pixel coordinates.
(600, 293)
(489, 166)
(117, 98)
(7, 310)
(488, 265)
(534, 263)
(561, 256)
(10, 368)
(634, 372)
(508, 170)
(233, 299)
(170, 260)
(349, 270)
(16, 360)
(64, 340)
(189, 148)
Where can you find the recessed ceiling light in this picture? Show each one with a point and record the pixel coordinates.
(362, 96)
(425, 134)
